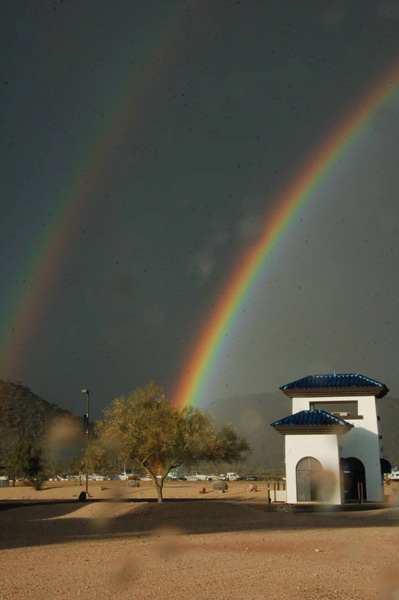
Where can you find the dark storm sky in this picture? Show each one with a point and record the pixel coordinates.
(223, 102)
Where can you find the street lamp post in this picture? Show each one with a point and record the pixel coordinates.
(87, 437)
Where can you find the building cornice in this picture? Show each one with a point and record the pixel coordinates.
(312, 429)
(376, 392)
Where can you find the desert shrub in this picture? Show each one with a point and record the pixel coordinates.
(38, 482)
(220, 486)
(26, 460)
(133, 483)
(252, 488)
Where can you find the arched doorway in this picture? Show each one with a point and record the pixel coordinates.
(308, 472)
(354, 477)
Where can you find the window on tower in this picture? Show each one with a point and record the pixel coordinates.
(343, 410)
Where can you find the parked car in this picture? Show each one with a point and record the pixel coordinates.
(233, 477)
(252, 478)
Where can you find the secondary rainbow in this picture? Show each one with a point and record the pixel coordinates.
(196, 371)
(20, 315)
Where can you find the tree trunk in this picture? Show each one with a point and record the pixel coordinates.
(159, 491)
(158, 486)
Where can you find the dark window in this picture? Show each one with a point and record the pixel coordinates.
(338, 409)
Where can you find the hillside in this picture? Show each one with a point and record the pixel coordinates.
(388, 409)
(24, 414)
(252, 415)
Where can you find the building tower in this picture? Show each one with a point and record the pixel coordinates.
(332, 441)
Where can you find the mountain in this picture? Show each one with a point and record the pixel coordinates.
(251, 415)
(388, 410)
(24, 414)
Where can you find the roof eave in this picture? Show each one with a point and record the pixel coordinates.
(312, 429)
(378, 392)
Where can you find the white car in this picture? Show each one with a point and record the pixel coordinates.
(201, 477)
(232, 477)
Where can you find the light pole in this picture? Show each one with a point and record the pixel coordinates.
(87, 437)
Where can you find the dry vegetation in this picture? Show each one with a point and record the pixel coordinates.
(214, 545)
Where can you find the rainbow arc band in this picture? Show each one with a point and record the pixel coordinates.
(196, 371)
(24, 306)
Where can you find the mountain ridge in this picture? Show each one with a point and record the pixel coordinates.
(25, 414)
(252, 415)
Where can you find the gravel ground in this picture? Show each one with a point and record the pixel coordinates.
(226, 546)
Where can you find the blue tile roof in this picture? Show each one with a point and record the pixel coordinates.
(310, 417)
(346, 380)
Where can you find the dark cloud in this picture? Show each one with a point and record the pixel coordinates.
(202, 113)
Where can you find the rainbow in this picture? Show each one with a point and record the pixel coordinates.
(20, 316)
(196, 372)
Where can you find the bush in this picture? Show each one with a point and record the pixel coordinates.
(26, 460)
(133, 483)
(220, 486)
(252, 488)
(38, 482)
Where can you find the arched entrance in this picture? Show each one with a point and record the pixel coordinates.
(354, 477)
(308, 472)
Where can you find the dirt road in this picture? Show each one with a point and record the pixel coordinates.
(192, 546)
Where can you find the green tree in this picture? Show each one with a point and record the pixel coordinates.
(26, 460)
(145, 427)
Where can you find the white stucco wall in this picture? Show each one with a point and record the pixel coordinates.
(361, 442)
(324, 448)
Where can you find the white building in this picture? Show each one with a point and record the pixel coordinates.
(332, 442)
